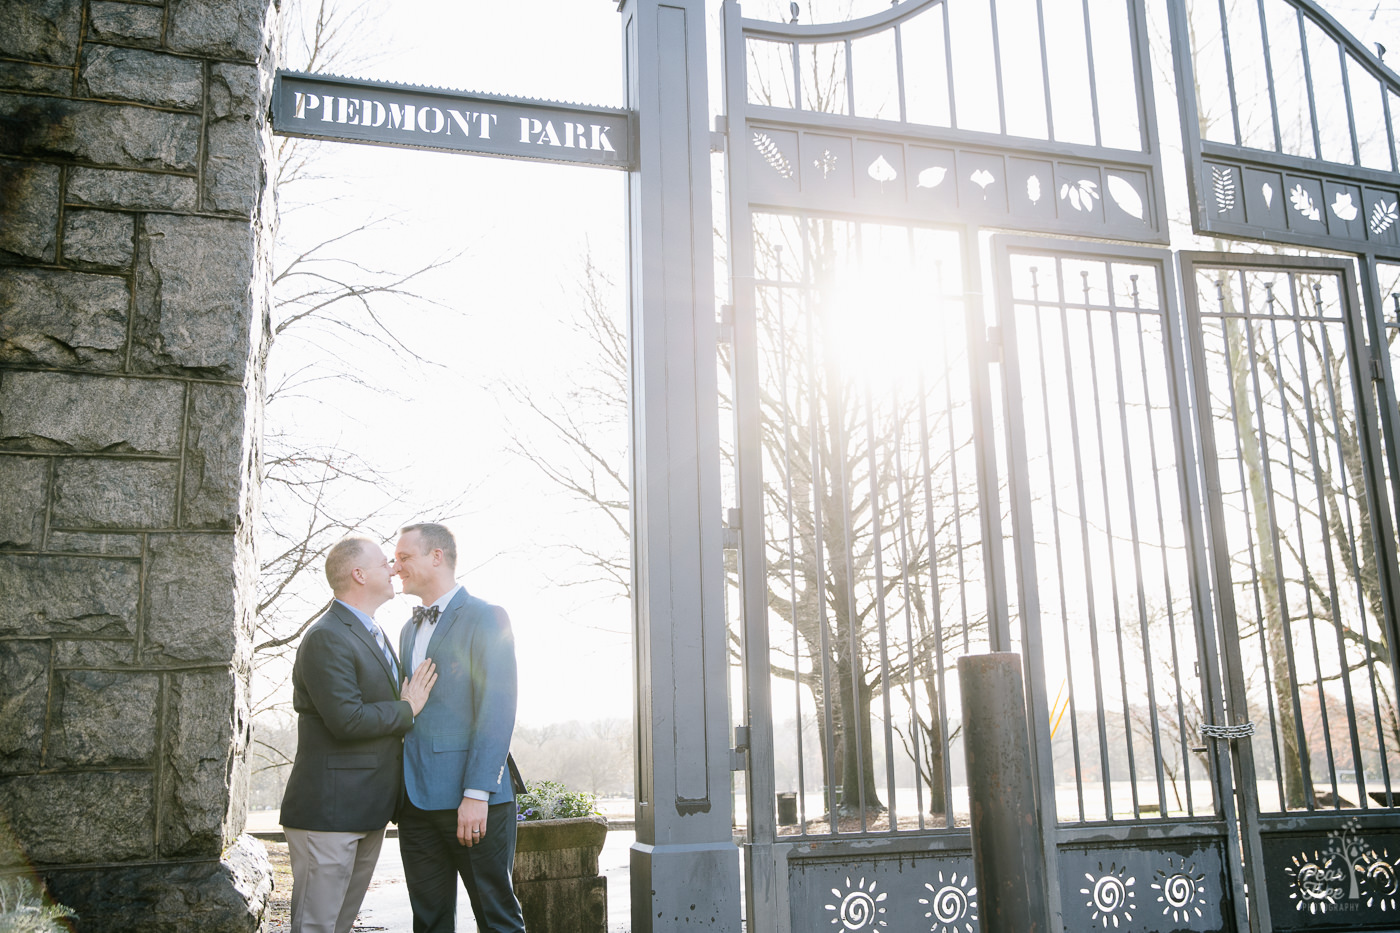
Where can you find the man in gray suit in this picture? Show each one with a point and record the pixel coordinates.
(347, 777)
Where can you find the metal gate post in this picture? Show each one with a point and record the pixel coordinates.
(685, 866)
(1007, 850)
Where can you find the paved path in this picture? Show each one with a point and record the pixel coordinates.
(386, 905)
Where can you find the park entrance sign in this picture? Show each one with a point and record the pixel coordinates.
(386, 114)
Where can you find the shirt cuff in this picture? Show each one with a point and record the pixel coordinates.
(476, 794)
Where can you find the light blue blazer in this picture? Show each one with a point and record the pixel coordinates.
(460, 739)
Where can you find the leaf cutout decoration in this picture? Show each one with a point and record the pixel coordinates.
(1080, 194)
(1343, 207)
(1268, 191)
(1383, 216)
(1033, 189)
(882, 171)
(1126, 196)
(931, 177)
(1303, 203)
(827, 163)
(982, 178)
(772, 154)
(1223, 180)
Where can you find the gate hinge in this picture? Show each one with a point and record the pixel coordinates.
(726, 324)
(720, 133)
(738, 755)
(732, 523)
(994, 343)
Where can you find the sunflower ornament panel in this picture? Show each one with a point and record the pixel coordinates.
(1136, 890)
(909, 894)
(1341, 879)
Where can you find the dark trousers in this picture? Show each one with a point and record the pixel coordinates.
(433, 859)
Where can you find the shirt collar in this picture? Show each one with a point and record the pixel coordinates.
(444, 599)
(365, 620)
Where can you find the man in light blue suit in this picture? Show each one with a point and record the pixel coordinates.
(459, 816)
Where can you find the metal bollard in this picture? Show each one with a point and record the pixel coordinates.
(1007, 849)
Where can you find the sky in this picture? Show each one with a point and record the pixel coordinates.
(498, 313)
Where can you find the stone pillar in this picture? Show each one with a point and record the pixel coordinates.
(134, 231)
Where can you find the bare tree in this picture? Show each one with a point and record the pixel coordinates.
(334, 319)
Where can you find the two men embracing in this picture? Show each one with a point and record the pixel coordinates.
(428, 751)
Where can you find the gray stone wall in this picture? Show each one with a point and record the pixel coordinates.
(134, 229)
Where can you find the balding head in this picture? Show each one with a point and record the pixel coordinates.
(345, 557)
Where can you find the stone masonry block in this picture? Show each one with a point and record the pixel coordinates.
(73, 596)
(190, 607)
(94, 652)
(25, 481)
(59, 411)
(24, 670)
(103, 719)
(193, 295)
(117, 135)
(40, 30)
(43, 79)
(93, 816)
(199, 741)
(214, 445)
(29, 210)
(99, 187)
(232, 179)
(227, 894)
(98, 238)
(55, 318)
(129, 23)
(102, 493)
(218, 28)
(82, 543)
(142, 76)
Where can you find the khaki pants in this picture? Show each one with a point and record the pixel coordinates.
(330, 874)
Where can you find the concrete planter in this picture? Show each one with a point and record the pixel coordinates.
(556, 875)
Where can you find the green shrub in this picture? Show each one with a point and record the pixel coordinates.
(24, 909)
(550, 800)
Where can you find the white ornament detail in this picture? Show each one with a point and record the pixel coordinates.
(931, 177)
(982, 178)
(1033, 189)
(1303, 203)
(952, 906)
(1125, 196)
(827, 163)
(858, 907)
(1268, 192)
(772, 154)
(882, 171)
(1111, 897)
(1224, 182)
(1080, 194)
(1383, 216)
(1343, 208)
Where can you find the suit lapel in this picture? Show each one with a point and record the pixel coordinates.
(358, 630)
(451, 616)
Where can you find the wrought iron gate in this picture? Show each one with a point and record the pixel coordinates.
(1177, 512)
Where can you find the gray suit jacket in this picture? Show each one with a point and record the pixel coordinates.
(348, 771)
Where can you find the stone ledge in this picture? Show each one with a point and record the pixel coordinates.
(227, 895)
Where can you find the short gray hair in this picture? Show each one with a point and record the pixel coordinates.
(342, 560)
(433, 536)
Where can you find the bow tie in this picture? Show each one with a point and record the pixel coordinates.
(427, 614)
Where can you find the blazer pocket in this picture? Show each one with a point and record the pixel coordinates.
(452, 742)
(351, 761)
